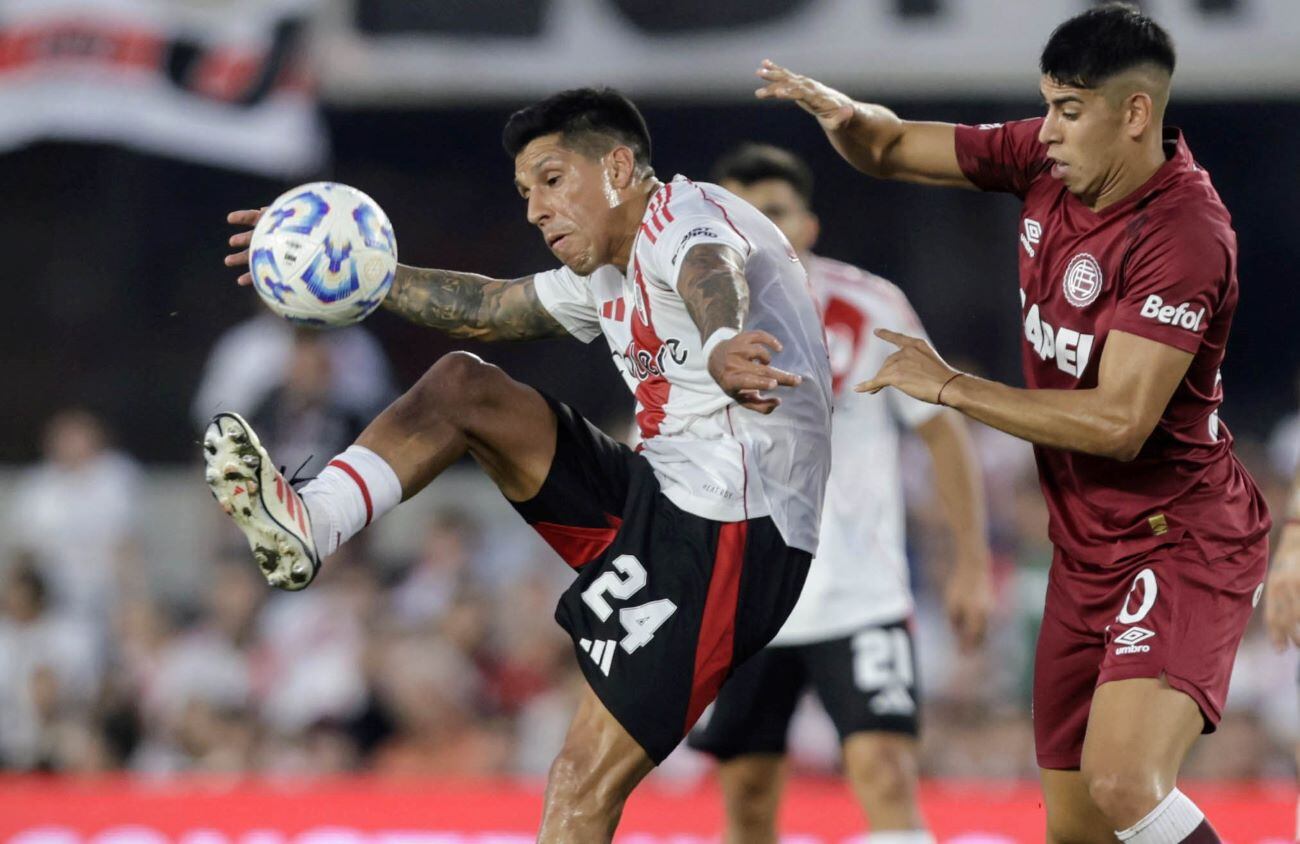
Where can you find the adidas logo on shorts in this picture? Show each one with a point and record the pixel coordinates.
(1130, 638)
(601, 652)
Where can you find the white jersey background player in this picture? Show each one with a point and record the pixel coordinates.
(848, 636)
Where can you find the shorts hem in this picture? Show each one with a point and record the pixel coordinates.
(1060, 761)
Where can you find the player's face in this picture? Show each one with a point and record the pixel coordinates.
(1084, 134)
(571, 199)
(782, 204)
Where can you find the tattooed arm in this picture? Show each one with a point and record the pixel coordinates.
(471, 306)
(713, 286)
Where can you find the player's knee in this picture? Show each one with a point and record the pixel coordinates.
(1123, 793)
(752, 798)
(883, 772)
(457, 384)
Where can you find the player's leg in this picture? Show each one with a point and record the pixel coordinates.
(592, 777)
(464, 405)
(460, 405)
(882, 769)
(1171, 623)
(1139, 732)
(867, 683)
(1072, 816)
(745, 730)
(751, 794)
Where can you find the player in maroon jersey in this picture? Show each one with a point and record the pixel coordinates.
(1128, 285)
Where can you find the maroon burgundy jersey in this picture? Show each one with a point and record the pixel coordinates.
(1161, 264)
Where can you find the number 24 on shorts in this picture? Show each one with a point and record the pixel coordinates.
(640, 621)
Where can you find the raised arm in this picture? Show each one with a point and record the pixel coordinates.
(871, 137)
(460, 304)
(471, 306)
(713, 286)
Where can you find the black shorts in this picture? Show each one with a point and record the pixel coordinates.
(666, 603)
(866, 682)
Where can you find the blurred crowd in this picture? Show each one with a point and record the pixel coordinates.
(442, 657)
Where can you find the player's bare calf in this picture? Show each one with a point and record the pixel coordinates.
(260, 501)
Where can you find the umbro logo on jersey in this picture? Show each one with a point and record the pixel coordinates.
(1030, 236)
(601, 652)
(1129, 641)
(1180, 315)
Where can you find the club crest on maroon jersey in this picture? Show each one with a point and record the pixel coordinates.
(1083, 280)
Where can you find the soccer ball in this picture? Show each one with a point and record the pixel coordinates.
(323, 254)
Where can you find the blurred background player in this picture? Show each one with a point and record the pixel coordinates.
(710, 525)
(1128, 285)
(849, 636)
(1282, 594)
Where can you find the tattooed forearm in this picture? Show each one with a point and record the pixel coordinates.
(471, 305)
(712, 283)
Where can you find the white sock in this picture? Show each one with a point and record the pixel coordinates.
(356, 488)
(899, 836)
(1168, 823)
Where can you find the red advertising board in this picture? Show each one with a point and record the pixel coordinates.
(373, 811)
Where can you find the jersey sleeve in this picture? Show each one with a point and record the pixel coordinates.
(698, 221)
(899, 316)
(1001, 156)
(567, 297)
(1176, 278)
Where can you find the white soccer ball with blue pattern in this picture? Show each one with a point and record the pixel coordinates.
(323, 254)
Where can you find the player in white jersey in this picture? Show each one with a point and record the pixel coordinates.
(689, 552)
(849, 636)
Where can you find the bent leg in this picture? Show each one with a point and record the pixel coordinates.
(883, 772)
(1072, 816)
(592, 777)
(1139, 732)
(751, 791)
(462, 404)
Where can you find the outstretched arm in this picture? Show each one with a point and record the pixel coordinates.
(712, 284)
(871, 137)
(460, 304)
(1135, 381)
(471, 306)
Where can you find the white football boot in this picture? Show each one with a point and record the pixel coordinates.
(252, 492)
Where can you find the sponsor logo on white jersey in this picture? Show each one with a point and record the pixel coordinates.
(1083, 280)
(1180, 315)
(1031, 235)
(1129, 641)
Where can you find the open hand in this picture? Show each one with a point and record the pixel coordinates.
(832, 109)
(742, 367)
(240, 241)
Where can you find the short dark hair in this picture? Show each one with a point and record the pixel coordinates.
(589, 120)
(1092, 47)
(753, 162)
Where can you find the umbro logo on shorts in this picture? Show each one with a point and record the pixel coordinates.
(601, 652)
(1130, 638)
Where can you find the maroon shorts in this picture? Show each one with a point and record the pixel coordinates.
(1168, 613)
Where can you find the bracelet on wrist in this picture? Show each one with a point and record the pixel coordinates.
(939, 398)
